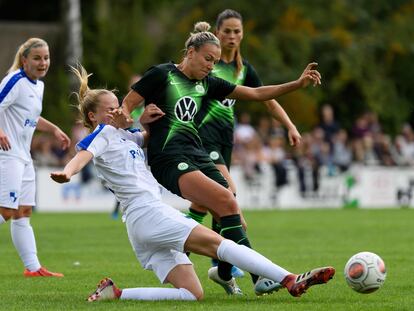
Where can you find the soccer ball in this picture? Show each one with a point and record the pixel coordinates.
(365, 272)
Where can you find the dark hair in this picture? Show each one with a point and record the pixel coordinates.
(226, 14)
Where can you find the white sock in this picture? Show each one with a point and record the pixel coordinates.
(157, 293)
(24, 241)
(247, 259)
(2, 220)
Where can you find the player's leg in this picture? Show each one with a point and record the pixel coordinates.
(11, 174)
(182, 277)
(157, 234)
(21, 230)
(206, 242)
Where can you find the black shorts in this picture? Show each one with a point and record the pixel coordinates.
(219, 154)
(167, 169)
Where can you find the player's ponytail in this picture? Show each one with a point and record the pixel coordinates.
(88, 99)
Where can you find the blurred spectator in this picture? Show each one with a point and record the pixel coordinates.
(384, 149)
(341, 151)
(328, 123)
(253, 156)
(277, 129)
(263, 129)
(360, 127)
(42, 151)
(404, 144)
(307, 167)
(244, 131)
(275, 155)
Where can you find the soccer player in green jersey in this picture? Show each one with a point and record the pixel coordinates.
(216, 119)
(175, 152)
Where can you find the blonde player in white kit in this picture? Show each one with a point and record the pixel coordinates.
(21, 94)
(159, 234)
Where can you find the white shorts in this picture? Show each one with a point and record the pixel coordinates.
(17, 183)
(157, 234)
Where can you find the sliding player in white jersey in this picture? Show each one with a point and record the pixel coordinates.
(159, 234)
(21, 94)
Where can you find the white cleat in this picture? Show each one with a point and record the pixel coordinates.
(230, 286)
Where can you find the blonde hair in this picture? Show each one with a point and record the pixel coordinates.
(24, 51)
(226, 14)
(88, 99)
(201, 36)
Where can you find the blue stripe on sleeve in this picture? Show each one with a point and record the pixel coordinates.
(84, 143)
(133, 130)
(9, 85)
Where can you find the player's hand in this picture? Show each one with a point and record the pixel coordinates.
(294, 137)
(310, 75)
(4, 141)
(151, 113)
(62, 138)
(60, 177)
(121, 119)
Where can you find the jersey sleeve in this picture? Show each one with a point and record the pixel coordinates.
(97, 141)
(252, 78)
(148, 85)
(8, 93)
(219, 88)
(134, 135)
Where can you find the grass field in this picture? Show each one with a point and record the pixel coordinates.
(296, 240)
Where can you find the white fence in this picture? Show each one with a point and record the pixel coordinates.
(375, 187)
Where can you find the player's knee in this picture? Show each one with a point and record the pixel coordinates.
(198, 294)
(230, 203)
(7, 213)
(25, 211)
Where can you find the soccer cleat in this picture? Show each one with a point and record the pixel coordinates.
(106, 290)
(41, 272)
(297, 284)
(266, 286)
(229, 286)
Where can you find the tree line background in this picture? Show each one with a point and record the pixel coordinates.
(364, 50)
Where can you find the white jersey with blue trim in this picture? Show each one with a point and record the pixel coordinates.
(120, 164)
(20, 108)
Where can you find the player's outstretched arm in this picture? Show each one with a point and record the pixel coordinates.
(267, 92)
(73, 167)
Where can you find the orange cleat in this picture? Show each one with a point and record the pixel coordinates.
(297, 284)
(41, 272)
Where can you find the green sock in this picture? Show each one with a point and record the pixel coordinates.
(196, 215)
(232, 229)
(215, 226)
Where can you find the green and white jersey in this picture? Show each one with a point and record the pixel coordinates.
(216, 120)
(180, 99)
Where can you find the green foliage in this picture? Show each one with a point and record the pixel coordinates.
(364, 51)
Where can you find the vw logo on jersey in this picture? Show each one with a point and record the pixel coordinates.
(182, 166)
(199, 89)
(214, 155)
(228, 103)
(185, 109)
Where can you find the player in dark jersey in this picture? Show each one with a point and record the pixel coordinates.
(216, 120)
(175, 153)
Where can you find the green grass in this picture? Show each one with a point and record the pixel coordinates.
(296, 240)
